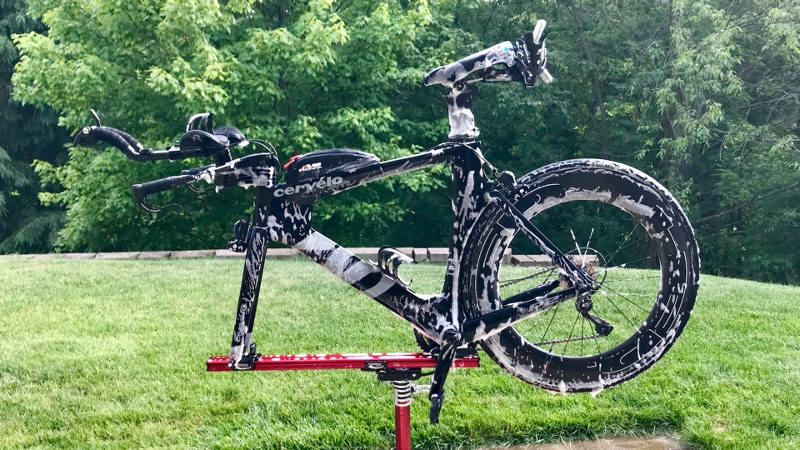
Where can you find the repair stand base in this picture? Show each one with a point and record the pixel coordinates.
(398, 369)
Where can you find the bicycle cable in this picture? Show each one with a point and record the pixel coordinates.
(484, 161)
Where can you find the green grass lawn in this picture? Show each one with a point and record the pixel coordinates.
(112, 354)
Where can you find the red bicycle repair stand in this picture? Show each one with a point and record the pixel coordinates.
(399, 369)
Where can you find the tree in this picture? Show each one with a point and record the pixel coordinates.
(303, 75)
(724, 117)
(26, 133)
(702, 94)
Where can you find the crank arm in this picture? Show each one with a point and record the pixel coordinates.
(577, 275)
(482, 327)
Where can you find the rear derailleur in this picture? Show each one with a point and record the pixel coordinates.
(584, 304)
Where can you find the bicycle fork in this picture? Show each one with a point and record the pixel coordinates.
(251, 284)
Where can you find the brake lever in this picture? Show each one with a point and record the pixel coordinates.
(152, 209)
(198, 190)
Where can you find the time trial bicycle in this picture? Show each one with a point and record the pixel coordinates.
(610, 269)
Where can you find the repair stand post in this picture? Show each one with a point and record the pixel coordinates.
(403, 390)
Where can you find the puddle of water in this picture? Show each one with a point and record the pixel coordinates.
(623, 443)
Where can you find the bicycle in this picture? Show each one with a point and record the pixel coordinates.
(610, 295)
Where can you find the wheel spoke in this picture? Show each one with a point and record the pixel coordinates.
(569, 338)
(549, 324)
(631, 262)
(635, 279)
(577, 247)
(583, 334)
(537, 320)
(629, 294)
(622, 244)
(507, 283)
(627, 299)
(589, 241)
(622, 313)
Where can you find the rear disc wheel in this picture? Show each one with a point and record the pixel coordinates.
(630, 235)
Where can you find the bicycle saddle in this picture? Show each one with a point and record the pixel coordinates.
(450, 74)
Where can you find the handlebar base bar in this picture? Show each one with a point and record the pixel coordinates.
(252, 170)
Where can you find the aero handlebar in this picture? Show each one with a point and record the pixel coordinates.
(131, 147)
(524, 61)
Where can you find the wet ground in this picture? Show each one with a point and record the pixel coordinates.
(624, 443)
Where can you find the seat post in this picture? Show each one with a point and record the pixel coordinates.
(459, 111)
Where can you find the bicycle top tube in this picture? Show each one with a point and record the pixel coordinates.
(306, 191)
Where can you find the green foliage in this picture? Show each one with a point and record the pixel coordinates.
(700, 94)
(303, 76)
(731, 132)
(315, 74)
(25, 133)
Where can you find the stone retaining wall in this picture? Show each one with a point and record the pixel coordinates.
(433, 254)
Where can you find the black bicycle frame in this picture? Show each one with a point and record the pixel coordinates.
(282, 213)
